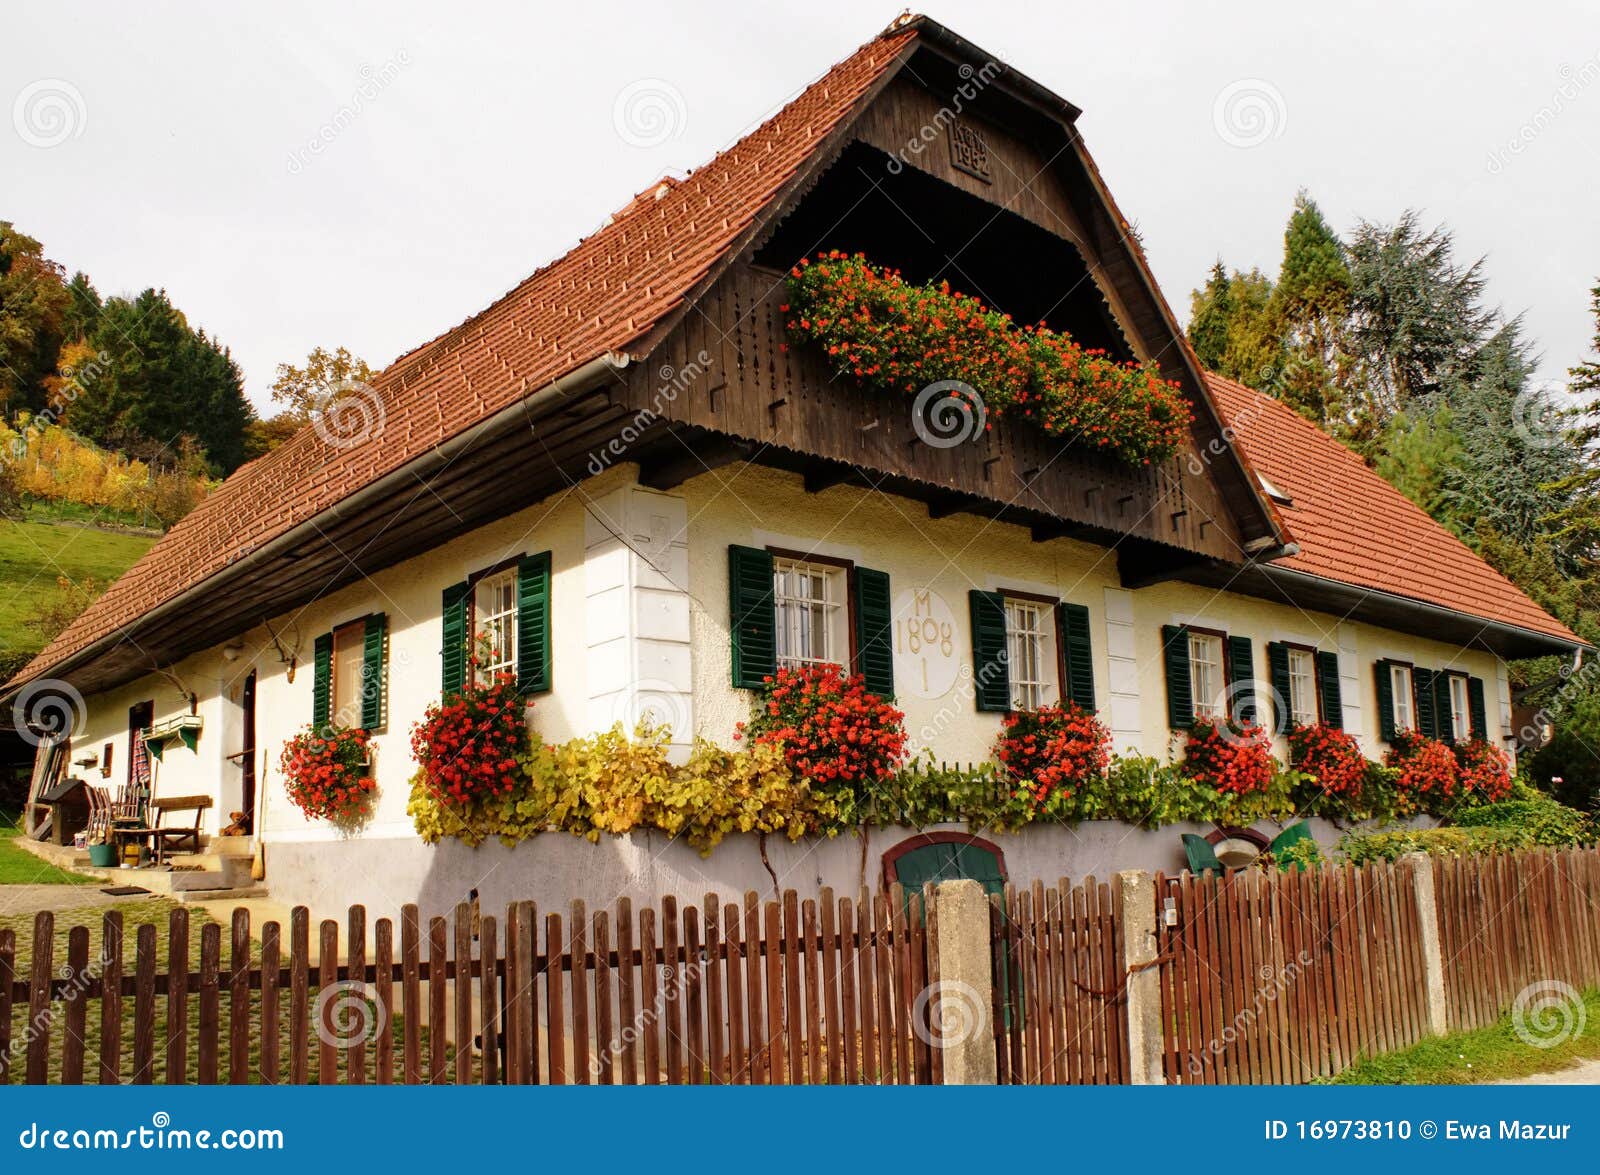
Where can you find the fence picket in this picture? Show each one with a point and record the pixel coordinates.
(110, 1002)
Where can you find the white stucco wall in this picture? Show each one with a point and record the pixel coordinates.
(640, 625)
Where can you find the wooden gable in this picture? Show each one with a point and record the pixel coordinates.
(1001, 201)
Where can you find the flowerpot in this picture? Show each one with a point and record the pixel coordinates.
(103, 856)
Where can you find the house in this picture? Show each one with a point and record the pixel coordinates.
(615, 467)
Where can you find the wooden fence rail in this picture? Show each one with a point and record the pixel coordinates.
(1281, 978)
(1261, 977)
(1060, 1007)
(1515, 930)
(781, 992)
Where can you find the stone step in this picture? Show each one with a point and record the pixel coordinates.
(220, 895)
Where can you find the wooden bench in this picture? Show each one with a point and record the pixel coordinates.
(165, 837)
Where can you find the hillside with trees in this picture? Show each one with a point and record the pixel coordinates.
(1387, 339)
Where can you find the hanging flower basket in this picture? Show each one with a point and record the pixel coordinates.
(326, 772)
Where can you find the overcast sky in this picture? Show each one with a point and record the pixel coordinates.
(458, 146)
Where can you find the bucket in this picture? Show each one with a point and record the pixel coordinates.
(103, 856)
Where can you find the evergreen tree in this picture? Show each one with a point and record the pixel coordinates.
(161, 382)
(1577, 522)
(1310, 303)
(83, 307)
(1240, 337)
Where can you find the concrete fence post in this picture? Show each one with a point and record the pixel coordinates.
(1136, 895)
(1420, 868)
(961, 1004)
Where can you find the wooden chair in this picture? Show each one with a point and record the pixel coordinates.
(1286, 840)
(1201, 856)
(100, 804)
(164, 838)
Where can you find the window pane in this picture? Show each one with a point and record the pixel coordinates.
(1302, 688)
(349, 646)
(1030, 653)
(1460, 719)
(494, 624)
(1400, 679)
(809, 599)
(1205, 674)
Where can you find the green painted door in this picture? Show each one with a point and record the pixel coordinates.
(948, 861)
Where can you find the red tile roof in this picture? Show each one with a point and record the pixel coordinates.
(615, 286)
(603, 295)
(1354, 527)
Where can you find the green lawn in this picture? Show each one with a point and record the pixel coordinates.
(35, 551)
(1495, 1053)
(20, 867)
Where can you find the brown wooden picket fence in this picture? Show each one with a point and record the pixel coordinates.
(1281, 978)
(1512, 928)
(1262, 976)
(781, 992)
(1060, 1001)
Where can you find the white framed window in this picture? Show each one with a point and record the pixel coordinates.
(1400, 687)
(1302, 687)
(1207, 679)
(1031, 653)
(494, 622)
(813, 614)
(1460, 717)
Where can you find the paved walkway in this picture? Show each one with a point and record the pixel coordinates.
(1580, 1073)
(30, 899)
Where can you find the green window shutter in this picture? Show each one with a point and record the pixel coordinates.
(1332, 699)
(752, 616)
(991, 675)
(1384, 682)
(372, 680)
(1175, 654)
(1278, 675)
(874, 631)
(1072, 623)
(1242, 679)
(1422, 690)
(453, 656)
(1476, 710)
(533, 623)
(322, 680)
(1443, 712)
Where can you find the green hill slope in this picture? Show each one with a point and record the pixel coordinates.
(37, 550)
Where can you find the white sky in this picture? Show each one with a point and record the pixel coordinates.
(492, 146)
